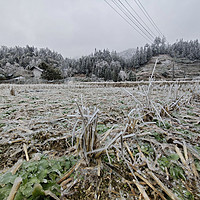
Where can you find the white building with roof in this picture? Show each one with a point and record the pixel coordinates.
(37, 72)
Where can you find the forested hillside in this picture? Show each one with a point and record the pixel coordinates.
(18, 61)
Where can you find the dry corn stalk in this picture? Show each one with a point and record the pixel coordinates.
(87, 139)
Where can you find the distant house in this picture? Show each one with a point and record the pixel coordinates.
(19, 79)
(37, 72)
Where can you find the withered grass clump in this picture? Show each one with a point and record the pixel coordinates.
(145, 160)
(12, 91)
(87, 139)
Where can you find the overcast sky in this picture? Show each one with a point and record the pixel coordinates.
(76, 27)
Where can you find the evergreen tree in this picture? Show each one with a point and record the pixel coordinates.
(51, 73)
(132, 76)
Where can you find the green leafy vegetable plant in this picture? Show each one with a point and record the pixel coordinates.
(38, 177)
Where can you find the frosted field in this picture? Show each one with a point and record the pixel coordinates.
(158, 121)
(40, 114)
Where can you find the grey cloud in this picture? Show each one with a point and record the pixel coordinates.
(77, 27)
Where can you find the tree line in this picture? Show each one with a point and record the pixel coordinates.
(100, 64)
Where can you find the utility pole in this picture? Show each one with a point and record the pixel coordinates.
(184, 72)
(173, 76)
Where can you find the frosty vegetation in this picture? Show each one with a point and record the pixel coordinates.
(18, 61)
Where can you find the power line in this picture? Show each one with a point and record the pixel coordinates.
(130, 18)
(148, 16)
(140, 18)
(144, 36)
(136, 20)
(127, 15)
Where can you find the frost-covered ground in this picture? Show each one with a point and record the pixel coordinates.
(44, 116)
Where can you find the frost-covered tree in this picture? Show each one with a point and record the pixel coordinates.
(16, 61)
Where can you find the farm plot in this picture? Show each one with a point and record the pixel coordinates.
(136, 142)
